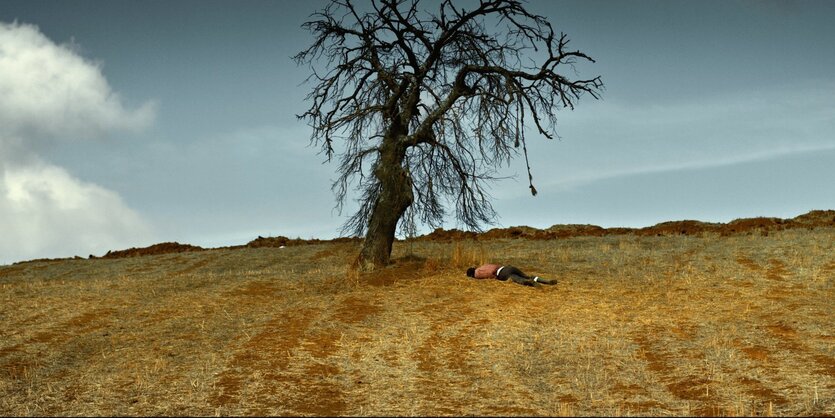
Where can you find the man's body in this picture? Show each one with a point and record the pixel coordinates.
(500, 272)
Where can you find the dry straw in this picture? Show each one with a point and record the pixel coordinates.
(638, 325)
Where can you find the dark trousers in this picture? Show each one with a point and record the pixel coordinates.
(513, 273)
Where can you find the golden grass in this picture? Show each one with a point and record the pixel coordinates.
(739, 325)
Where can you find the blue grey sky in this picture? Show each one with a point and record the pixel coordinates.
(147, 121)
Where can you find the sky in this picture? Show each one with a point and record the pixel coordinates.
(129, 123)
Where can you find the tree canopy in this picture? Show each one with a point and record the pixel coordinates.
(421, 107)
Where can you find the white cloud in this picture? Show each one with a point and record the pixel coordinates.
(47, 93)
(45, 212)
(48, 90)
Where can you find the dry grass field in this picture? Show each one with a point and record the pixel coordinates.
(638, 325)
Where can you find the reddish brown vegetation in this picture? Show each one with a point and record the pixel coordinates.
(813, 219)
(163, 248)
(282, 241)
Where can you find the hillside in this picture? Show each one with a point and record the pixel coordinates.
(682, 318)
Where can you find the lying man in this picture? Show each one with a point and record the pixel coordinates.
(500, 272)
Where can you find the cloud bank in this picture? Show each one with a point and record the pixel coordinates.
(51, 93)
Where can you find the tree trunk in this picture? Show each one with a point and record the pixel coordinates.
(394, 198)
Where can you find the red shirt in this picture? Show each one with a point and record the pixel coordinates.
(487, 271)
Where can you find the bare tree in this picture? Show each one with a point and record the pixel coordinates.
(428, 105)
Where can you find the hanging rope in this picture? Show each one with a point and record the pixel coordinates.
(520, 136)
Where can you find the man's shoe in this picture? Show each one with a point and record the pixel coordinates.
(544, 281)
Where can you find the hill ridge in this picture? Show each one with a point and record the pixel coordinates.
(762, 225)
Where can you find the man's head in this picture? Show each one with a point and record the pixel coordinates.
(471, 272)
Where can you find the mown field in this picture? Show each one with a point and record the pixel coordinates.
(638, 325)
